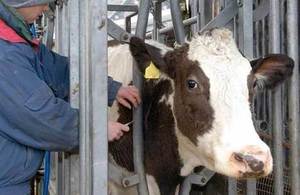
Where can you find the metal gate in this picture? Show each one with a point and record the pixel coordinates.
(259, 26)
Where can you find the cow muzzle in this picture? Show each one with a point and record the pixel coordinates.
(252, 162)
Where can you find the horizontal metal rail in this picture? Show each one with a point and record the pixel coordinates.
(123, 8)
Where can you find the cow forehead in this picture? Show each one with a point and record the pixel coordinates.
(221, 62)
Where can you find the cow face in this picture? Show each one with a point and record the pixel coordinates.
(212, 85)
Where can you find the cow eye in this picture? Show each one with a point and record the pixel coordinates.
(192, 84)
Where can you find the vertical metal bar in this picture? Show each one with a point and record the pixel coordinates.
(202, 13)
(232, 186)
(263, 26)
(72, 179)
(98, 73)
(185, 187)
(274, 26)
(84, 103)
(93, 97)
(293, 52)
(246, 28)
(62, 37)
(142, 20)
(194, 4)
(251, 186)
(177, 21)
(156, 19)
(246, 45)
(208, 10)
(138, 141)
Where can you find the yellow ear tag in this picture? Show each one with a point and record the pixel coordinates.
(151, 72)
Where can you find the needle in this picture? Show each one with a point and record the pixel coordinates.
(127, 124)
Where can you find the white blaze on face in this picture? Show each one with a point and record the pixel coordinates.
(232, 129)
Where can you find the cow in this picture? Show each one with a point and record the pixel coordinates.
(197, 112)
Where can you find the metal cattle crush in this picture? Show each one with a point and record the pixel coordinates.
(259, 26)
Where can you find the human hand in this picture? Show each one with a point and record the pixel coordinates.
(116, 130)
(128, 94)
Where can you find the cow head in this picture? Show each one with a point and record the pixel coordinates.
(212, 88)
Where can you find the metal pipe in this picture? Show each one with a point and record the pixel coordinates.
(97, 43)
(185, 187)
(157, 19)
(177, 21)
(293, 52)
(142, 21)
(138, 140)
(194, 4)
(227, 14)
(232, 186)
(246, 45)
(246, 28)
(84, 104)
(202, 14)
(123, 8)
(62, 49)
(186, 22)
(274, 26)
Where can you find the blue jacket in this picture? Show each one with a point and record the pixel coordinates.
(34, 113)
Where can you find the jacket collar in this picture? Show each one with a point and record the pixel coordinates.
(8, 34)
(13, 28)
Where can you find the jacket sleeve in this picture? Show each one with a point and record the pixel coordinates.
(113, 87)
(56, 73)
(56, 70)
(30, 113)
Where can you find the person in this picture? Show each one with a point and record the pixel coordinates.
(34, 87)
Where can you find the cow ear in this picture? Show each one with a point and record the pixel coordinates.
(144, 54)
(271, 70)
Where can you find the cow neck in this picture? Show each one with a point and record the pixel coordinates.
(160, 142)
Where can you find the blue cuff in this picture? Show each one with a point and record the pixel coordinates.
(113, 88)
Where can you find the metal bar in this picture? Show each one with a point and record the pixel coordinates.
(157, 19)
(263, 46)
(142, 21)
(293, 52)
(246, 28)
(98, 77)
(207, 11)
(186, 22)
(274, 26)
(62, 37)
(232, 186)
(72, 178)
(84, 104)
(230, 24)
(251, 186)
(117, 32)
(261, 11)
(202, 14)
(194, 4)
(177, 21)
(50, 26)
(246, 46)
(185, 187)
(224, 17)
(123, 8)
(138, 140)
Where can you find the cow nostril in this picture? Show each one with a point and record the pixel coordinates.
(238, 156)
(254, 164)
